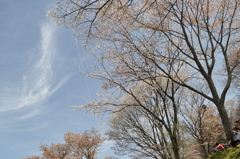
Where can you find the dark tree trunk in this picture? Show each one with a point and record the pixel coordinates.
(225, 120)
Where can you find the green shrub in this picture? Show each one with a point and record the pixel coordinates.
(231, 153)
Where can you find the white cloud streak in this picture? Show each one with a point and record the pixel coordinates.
(37, 84)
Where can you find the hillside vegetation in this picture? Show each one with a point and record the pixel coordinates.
(231, 153)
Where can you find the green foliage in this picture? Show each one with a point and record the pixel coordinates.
(231, 153)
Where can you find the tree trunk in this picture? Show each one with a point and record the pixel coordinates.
(176, 151)
(225, 120)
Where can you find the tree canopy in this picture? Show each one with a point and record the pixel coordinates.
(189, 42)
(77, 146)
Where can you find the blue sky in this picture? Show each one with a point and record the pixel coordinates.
(40, 80)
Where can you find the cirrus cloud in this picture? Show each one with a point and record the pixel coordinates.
(24, 97)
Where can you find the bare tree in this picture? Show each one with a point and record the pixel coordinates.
(201, 122)
(192, 33)
(145, 123)
(232, 106)
(234, 63)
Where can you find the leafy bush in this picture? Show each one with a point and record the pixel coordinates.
(231, 153)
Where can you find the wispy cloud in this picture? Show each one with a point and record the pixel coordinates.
(38, 82)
